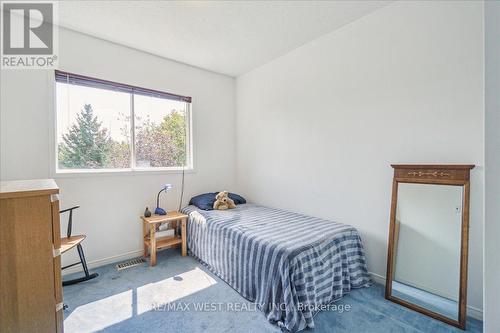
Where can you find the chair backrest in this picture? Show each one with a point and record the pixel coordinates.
(70, 220)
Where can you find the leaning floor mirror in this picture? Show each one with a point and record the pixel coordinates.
(428, 240)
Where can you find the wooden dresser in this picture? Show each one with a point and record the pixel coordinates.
(30, 260)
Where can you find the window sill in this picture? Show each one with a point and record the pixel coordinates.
(78, 173)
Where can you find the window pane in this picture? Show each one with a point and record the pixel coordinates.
(93, 128)
(160, 132)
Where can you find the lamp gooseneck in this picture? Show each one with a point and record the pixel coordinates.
(158, 197)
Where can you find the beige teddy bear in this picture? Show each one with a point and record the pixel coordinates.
(223, 202)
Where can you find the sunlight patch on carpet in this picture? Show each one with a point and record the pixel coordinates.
(108, 311)
(97, 315)
(172, 289)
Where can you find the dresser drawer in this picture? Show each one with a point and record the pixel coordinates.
(56, 241)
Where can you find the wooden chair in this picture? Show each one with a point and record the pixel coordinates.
(69, 242)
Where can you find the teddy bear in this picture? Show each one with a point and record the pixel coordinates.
(223, 201)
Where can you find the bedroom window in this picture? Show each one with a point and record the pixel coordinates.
(107, 126)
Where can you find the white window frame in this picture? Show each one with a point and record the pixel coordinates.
(60, 173)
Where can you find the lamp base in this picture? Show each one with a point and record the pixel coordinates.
(160, 211)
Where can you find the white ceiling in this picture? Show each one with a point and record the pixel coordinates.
(229, 37)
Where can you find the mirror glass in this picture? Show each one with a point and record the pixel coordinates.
(427, 246)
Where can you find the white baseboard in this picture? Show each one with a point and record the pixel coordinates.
(472, 311)
(377, 278)
(104, 261)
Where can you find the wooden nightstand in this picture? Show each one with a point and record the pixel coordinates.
(149, 229)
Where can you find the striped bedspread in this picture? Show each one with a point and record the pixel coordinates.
(287, 263)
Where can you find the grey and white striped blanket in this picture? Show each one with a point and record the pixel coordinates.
(287, 263)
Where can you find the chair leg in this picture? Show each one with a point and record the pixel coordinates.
(82, 259)
(87, 276)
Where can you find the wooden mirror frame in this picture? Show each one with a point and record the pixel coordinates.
(458, 175)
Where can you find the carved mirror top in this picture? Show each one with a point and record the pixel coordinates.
(432, 172)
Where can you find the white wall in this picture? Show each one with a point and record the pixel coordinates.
(318, 127)
(492, 163)
(111, 204)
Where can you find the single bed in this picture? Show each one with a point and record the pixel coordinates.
(287, 263)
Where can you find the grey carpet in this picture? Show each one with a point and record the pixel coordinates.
(181, 295)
